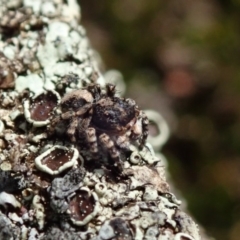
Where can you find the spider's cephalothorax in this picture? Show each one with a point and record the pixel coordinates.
(103, 118)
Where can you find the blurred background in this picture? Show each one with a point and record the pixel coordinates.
(182, 58)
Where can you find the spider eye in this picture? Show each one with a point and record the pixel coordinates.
(74, 104)
(78, 103)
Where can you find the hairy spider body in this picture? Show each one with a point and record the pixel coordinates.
(103, 118)
(113, 115)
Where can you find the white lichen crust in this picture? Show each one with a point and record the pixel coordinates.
(50, 187)
(50, 163)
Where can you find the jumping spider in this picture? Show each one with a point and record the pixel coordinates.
(101, 116)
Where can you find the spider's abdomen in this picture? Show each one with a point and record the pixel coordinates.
(112, 114)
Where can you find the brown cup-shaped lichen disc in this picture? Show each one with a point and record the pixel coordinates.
(42, 106)
(82, 207)
(57, 158)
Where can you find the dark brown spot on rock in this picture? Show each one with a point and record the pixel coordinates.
(121, 229)
(57, 158)
(81, 205)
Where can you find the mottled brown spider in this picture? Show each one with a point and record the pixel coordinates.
(103, 118)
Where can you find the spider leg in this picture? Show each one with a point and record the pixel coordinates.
(67, 115)
(145, 123)
(136, 129)
(84, 124)
(96, 90)
(92, 141)
(83, 109)
(111, 90)
(114, 153)
(72, 129)
(53, 123)
(123, 142)
(132, 103)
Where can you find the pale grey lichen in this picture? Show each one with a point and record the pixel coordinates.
(33, 82)
(9, 199)
(62, 188)
(1, 126)
(27, 194)
(116, 228)
(100, 189)
(39, 210)
(8, 230)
